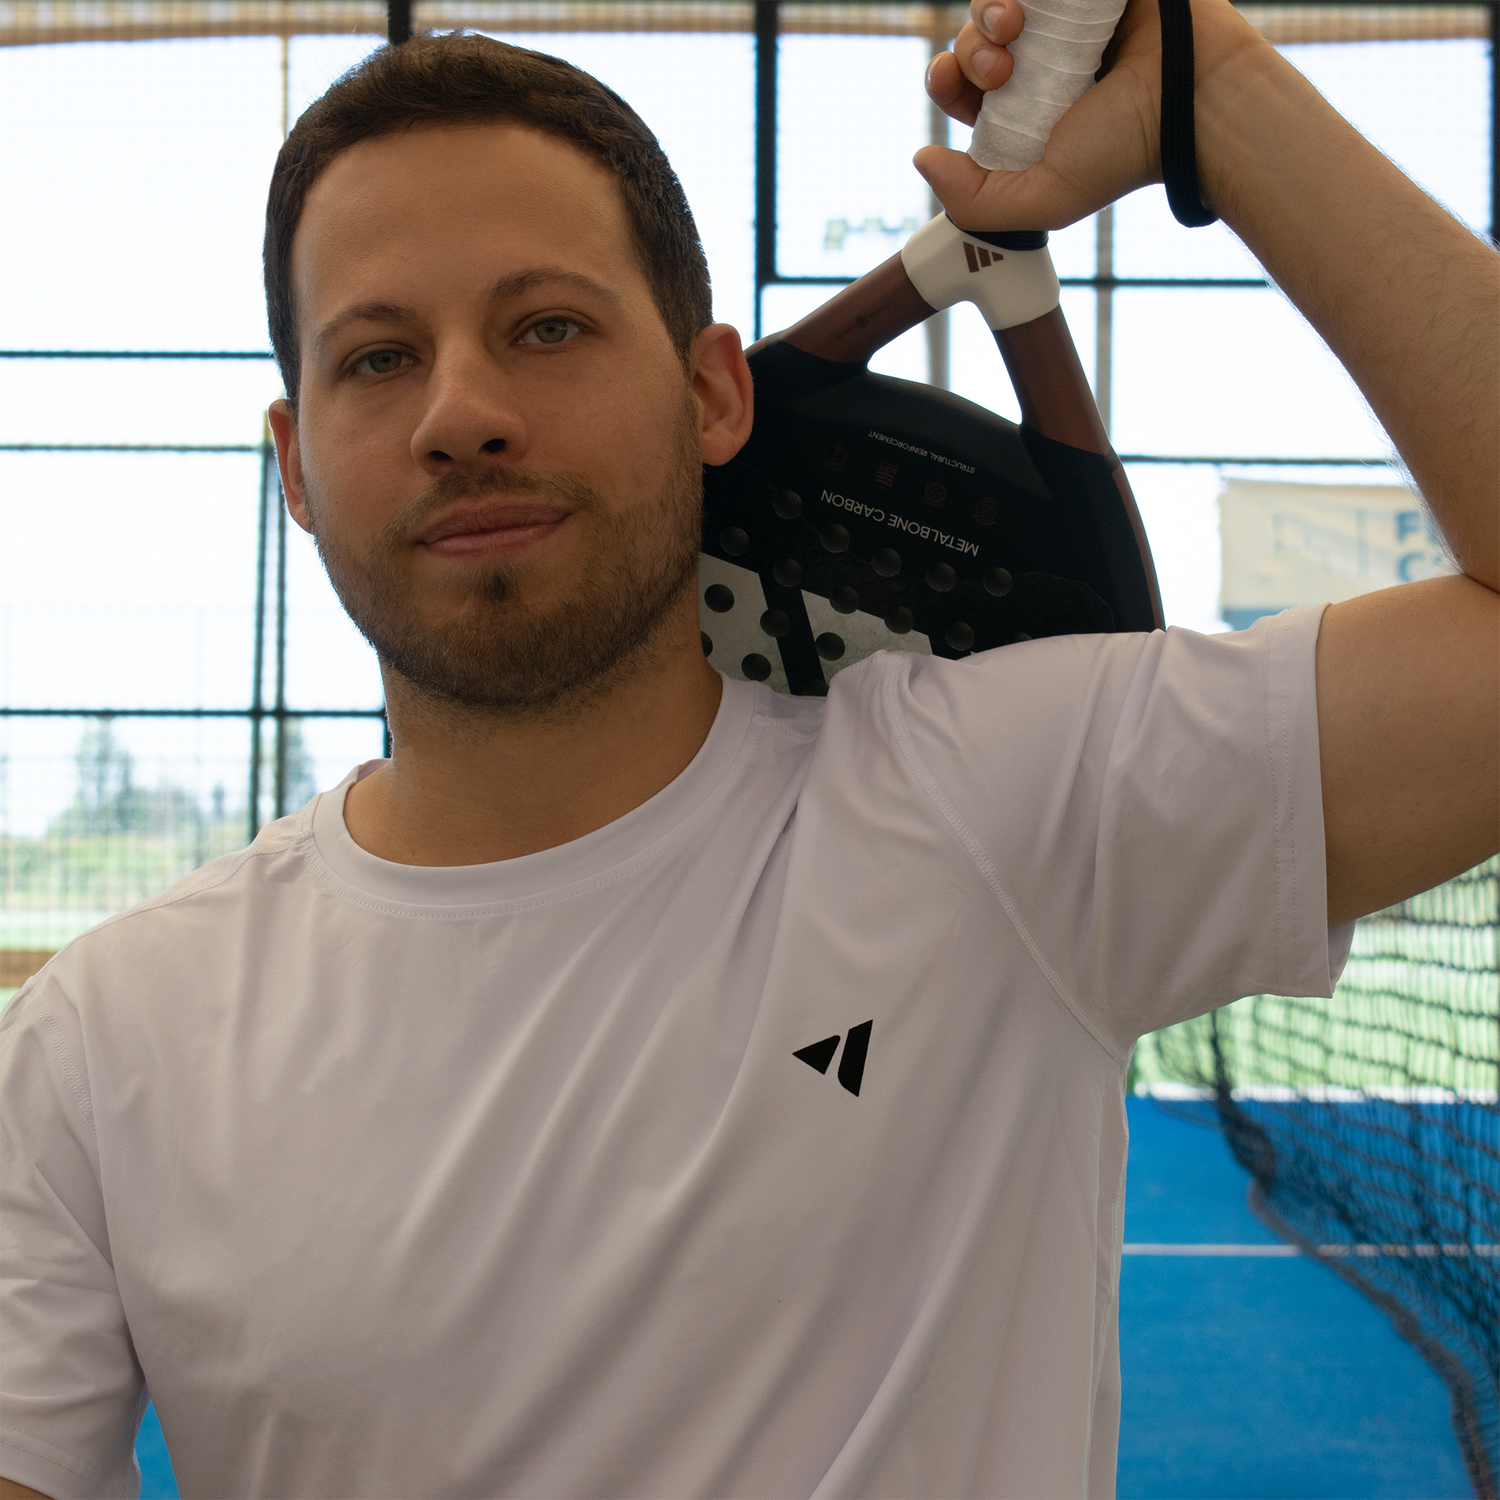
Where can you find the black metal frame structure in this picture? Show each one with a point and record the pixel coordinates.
(271, 603)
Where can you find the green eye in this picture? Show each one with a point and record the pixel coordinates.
(552, 330)
(382, 362)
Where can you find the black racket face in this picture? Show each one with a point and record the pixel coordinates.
(868, 512)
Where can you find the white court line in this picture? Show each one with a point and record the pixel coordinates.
(1395, 1251)
(1322, 1093)
(1209, 1250)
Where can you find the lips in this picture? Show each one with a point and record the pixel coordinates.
(491, 517)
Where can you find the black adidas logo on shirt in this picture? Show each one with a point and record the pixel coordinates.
(851, 1065)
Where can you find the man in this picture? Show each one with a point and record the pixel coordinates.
(450, 1140)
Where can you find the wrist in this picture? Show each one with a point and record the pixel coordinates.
(1243, 92)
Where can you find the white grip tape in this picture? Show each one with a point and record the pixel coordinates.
(1056, 55)
(1007, 286)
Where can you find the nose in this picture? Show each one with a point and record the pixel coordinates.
(471, 419)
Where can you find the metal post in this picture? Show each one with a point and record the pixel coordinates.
(398, 22)
(1495, 123)
(279, 809)
(767, 27)
(257, 669)
(1104, 312)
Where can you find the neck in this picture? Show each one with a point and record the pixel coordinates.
(466, 786)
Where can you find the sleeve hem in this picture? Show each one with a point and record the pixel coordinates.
(80, 1475)
(1307, 960)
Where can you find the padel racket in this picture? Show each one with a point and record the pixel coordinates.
(868, 512)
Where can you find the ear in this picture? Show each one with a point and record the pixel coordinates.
(283, 422)
(725, 392)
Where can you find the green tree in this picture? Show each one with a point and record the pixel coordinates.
(108, 800)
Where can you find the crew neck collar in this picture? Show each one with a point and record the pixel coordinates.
(550, 873)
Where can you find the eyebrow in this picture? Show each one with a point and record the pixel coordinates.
(515, 285)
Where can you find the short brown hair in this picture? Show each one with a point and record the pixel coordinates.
(467, 79)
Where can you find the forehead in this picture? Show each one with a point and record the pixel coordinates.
(457, 202)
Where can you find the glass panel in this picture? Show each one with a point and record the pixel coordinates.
(1179, 505)
(978, 372)
(1179, 509)
(317, 754)
(1235, 372)
(851, 112)
(333, 747)
(130, 579)
(1150, 242)
(329, 664)
(1074, 248)
(96, 815)
(1426, 104)
(697, 93)
(135, 400)
(143, 191)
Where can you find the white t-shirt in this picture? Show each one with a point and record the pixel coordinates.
(531, 1179)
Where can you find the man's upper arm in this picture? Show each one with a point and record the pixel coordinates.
(1409, 739)
(71, 1392)
(10, 1490)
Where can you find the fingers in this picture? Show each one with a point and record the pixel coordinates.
(957, 81)
(1000, 20)
(985, 63)
(951, 91)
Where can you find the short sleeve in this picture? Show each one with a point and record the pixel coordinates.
(71, 1391)
(1148, 809)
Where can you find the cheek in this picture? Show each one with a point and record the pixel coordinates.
(346, 470)
(642, 436)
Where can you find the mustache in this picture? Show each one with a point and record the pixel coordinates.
(413, 519)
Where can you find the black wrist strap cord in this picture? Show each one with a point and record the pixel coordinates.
(1179, 156)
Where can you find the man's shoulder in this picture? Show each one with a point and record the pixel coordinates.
(201, 902)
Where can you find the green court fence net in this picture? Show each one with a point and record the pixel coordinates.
(1370, 1128)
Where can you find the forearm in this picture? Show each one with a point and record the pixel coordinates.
(1404, 295)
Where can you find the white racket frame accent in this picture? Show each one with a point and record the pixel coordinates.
(1009, 287)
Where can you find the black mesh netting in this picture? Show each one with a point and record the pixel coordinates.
(1370, 1127)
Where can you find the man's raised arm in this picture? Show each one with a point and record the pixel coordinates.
(1409, 301)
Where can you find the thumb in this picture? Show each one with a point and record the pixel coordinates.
(953, 176)
(979, 200)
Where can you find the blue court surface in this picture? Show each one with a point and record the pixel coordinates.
(1257, 1376)
(1247, 1376)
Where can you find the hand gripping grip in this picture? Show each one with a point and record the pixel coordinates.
(1056, 56)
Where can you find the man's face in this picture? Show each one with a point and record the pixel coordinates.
(496, 445)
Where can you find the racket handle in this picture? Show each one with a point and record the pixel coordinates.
(1016, 290)
(1050, 386)
(1056, 56)
(861, 319)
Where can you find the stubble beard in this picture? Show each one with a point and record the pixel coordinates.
(494, 655)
